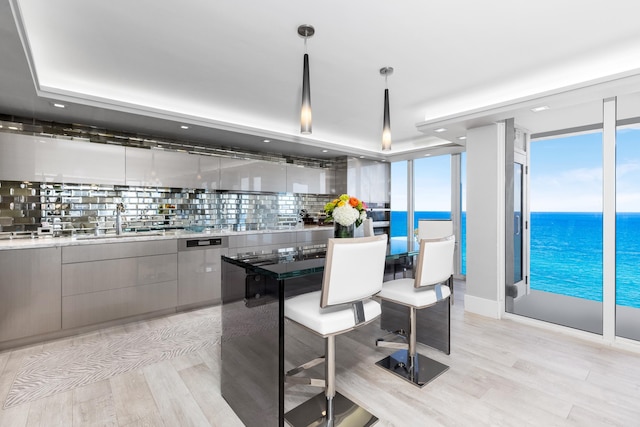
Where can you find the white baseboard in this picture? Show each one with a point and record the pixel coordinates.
(481, 306)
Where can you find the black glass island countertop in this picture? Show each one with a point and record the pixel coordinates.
(254, 287)
(282, 264)
(298, 261)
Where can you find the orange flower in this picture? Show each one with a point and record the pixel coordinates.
(353, 201)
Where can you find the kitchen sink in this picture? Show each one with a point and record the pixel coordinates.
(118, 236)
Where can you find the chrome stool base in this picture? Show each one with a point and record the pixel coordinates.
(346, 413)
(421, 372)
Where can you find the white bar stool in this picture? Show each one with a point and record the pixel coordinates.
(430, 285)
(353, 273)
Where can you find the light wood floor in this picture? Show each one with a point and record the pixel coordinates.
(502, 373)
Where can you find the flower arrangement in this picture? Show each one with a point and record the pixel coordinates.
(346, 210)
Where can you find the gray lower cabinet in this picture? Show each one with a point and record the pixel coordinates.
(97, 307)
(46, 290)
(111, 281)
(29, 292)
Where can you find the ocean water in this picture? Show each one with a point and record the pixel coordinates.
(566, 252)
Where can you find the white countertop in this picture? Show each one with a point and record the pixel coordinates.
(49, 242)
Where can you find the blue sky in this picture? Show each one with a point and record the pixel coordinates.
(566, 173)
(628, 170)
(566, 176)
(432, 184)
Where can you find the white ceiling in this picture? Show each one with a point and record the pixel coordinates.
(233, 69)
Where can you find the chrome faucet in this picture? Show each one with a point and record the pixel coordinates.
(119, 210)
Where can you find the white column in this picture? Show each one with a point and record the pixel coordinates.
(485, 220)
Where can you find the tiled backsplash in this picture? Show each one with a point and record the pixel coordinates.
(81, 208)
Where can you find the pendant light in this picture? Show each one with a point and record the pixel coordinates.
(305, 31)
(386, 121)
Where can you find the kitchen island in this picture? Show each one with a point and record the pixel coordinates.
(253, 346)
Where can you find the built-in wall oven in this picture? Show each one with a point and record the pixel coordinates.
(380, 213)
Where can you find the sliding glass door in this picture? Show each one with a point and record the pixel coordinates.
(565, 249)
(628, 218)
(518, 286)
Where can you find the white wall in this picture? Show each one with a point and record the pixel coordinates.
(485, 220)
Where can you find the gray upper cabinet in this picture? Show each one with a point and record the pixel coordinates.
(304, 179)
(158, 168)
(34, 158)
(252, 175)
(369, 180)
(31, 158)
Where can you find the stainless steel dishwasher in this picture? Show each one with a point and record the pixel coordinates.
(200, 270)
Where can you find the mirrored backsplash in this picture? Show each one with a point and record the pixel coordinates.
(80, 208)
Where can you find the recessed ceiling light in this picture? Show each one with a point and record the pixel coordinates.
(427, 155)
(184, 127)
(266, 140)
(440, 130)
(58, 105)
(362, 157)
(462, 138)
(325, 151)
(540, 108)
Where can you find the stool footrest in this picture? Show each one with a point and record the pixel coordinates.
(305, 381)
(391, 344)
(305, 366)
(290, 379)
